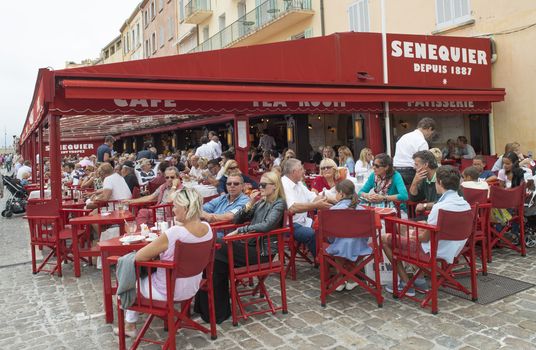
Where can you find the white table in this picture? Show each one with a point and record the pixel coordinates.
(204, 190)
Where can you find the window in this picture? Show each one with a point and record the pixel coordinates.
(221, 21)
(171, 27)
(153, 42)
(153, 11)
(161, 37)
(138, 32)
(147, 49)
(359, 16)
(133, 39)
(160, 5)
(452, 12)
(181, 10)
(145, 18)
(205, 33)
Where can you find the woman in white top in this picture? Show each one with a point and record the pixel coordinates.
(187, 207)
(364, 165)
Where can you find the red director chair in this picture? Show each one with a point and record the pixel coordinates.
(47, 229)
(512, 199)
(190, 259)
(296, 250)
(406, 247)
(257, 266)
(479, 198)
(334, 224)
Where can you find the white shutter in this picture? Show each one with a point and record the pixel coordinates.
(358, 16)
(451, 12)
(308, 33)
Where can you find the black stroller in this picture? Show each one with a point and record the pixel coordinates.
(16, 203)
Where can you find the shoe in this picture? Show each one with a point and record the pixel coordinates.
(530, 241)
(341, 287)
(131, 334)
(421, 285)
(401, 285)
(351, 285)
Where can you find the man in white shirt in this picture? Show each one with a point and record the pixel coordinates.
(205, 150)
(466, 151)
(195, 172)
(23, 169)
(114, 187)
(409, 144)
(299, 201)
(215, 143)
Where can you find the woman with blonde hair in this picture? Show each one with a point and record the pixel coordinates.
(329, 176)
(264, 212)
(363, 166)
(346, 159)
(231, 167)
(329, 152)
(187, 207)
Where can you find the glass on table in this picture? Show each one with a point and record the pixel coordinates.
(131, 227)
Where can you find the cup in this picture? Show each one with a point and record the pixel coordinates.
(343, 172)
(131, 227)
(164, 226)
(360, 178)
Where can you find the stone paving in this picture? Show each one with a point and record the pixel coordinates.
(44, 312)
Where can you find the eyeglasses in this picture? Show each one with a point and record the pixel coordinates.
(376, 165)
(264, 184)
(232, 167)
(170, 177)
(326, 167)
(234, 183)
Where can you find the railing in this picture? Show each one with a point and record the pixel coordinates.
(196, 5)
(265, 13)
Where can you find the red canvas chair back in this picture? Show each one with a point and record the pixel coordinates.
(335, 223)
(465, 163)
(163, 209)
(474, 196)
(136, 192)
(310, 168)
(455, 225)
(192, 258)
(507, 198)
(490, 161)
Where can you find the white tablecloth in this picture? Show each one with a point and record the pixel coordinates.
(37, 194)
(204, 190)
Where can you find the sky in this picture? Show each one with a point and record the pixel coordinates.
(47, 33)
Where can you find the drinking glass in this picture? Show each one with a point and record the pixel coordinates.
(131, 227)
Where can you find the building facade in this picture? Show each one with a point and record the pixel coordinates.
(160, 27)
(113, 52)
(132, 34)
(233, 23)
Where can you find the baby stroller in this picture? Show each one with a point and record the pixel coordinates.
(16, 203)
(530, 215)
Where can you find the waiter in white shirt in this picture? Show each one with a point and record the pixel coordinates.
(205, 150)
(266, 142)
(409, 144)
(215, 143)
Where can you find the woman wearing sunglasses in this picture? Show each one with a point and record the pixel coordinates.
(264, 212)
(386, 183)
(329, 176)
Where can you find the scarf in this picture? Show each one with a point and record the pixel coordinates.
(381, 186)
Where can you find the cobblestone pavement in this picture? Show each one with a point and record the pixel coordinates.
(44, 312)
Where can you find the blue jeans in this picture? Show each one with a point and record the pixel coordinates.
(304, 234)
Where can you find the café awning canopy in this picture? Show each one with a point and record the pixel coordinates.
(340, 73)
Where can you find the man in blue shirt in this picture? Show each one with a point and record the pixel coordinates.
(224, 207)
(479, 162)
(104, 152)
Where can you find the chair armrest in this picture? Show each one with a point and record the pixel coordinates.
(156, 263)
(249, 235)
(161, 206)
(141, 204)
(74, 210)
(113, 259)
(409, 223)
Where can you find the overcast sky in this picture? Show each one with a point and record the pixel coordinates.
(47, 33)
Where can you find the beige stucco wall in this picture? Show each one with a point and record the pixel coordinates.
(160, 20)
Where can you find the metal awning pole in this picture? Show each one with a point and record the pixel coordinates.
(385, 80)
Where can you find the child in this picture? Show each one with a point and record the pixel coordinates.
(347, 248)
(471, 180)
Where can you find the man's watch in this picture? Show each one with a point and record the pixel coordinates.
(425, 206)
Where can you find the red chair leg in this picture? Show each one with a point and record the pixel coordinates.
(379, 297)
(212, 315)
(34, 260)
(59, 258)
(323, 280)
(283, 282)
(433, 288)
(121, 326)
(522, 237)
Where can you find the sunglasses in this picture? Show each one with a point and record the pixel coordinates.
(326, 167)
(234, 183)
(376, 165)
(264, 184)
(232, 167)
(170, 177)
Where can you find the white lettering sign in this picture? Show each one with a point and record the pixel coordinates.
(442, 104)
(409, 49)
(145, 103)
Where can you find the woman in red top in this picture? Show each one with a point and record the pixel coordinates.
(329, 176)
